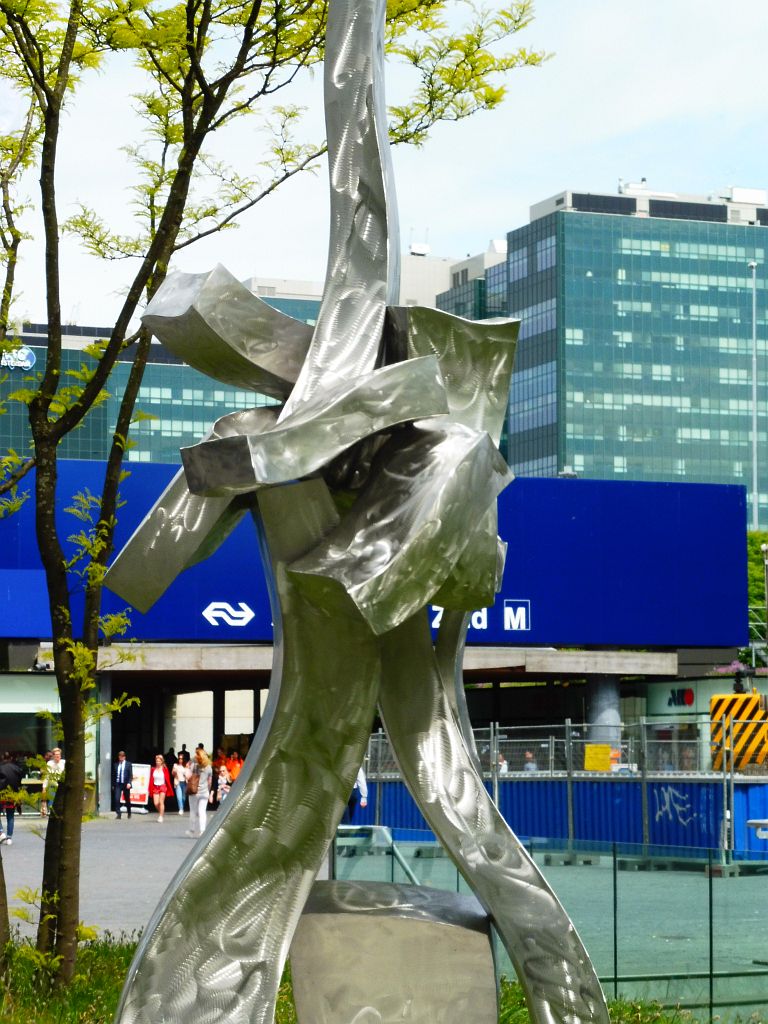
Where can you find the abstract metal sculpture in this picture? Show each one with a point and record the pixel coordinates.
(373, 490)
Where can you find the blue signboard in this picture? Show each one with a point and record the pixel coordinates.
(615, 563)
(589, 563)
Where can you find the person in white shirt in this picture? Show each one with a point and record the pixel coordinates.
(54, 769)
(358, 798)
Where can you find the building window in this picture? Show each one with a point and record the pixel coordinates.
(537, 319)
(619, 464)
(703, 312)
(633, 371)
(546, 253)
(518, 264)
(731, 375)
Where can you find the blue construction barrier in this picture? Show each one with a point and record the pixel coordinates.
(538, 807)
(607, 810)
(685, 814)
(750, 801)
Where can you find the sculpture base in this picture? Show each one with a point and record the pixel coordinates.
(377, 953)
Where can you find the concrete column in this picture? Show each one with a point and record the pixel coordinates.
(603, 711)
(219, 699)
(257, 705)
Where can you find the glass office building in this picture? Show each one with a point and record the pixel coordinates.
(178, 405)
(635, 351)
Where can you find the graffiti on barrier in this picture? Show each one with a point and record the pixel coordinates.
(672, 805)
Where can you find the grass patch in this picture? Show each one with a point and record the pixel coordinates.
(102, 966)
(512, 1009)
(26, 994)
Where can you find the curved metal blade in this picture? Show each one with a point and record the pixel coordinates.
(216, 945)
(548, 956)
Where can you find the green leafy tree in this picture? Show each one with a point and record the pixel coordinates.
(756, 580)
(17, 152)
(207, 64)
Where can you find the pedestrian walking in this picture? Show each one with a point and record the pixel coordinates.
(11, 774)
(180, 779)
(122, 784)
(160, 786)
(199, 792)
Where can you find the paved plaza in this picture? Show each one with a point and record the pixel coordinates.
(126, 866)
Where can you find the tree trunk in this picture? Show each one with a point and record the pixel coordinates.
(60, 905)
(71, 813)
(5, 923)
(46, 926)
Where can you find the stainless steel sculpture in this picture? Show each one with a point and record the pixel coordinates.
(373, 490)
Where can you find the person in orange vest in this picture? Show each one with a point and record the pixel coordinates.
(234, 764)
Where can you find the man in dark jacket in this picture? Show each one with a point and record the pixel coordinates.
(11, 774)
(123, 779)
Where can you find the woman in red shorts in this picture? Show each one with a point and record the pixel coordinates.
(160, 785)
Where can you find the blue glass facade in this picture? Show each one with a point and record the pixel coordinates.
(635, 348)
(656, 342)
(300, 309)
(178, 404)
(634, 357)
(467, 300)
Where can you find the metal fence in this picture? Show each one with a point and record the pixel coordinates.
(690, 939)
(641, 748)
(654, 783)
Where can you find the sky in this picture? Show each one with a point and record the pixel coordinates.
(674, 91)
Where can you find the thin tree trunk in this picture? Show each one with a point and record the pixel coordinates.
(62, 826)
(71, 802)
(47, 923)
(5, 922)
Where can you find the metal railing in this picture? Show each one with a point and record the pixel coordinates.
(651, 747)
(669, 936)
(655, 754)
(758, 634)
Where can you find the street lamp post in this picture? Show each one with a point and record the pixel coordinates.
(755, 494)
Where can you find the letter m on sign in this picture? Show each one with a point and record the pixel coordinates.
(517, 615)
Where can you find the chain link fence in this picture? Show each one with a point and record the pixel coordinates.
(651, 747)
